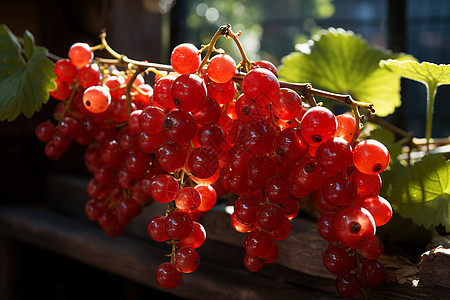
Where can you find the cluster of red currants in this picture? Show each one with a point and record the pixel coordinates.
(202, 131)
(93, 111)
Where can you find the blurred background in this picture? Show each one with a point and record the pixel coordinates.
(149, 29)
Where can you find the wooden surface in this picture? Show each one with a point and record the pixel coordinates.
(137, 259)
(297, 274)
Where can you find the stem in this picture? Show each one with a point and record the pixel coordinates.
(172, 252)
(223, 30)
(181, 178)
(245, 61)
(390, 126)
(272, 118)
(68, 102)
(357, 116)
(431, 93)
(143, 64)
(122, 59)
(310, 99)
(128, 88)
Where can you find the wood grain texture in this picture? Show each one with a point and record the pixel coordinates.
(137, 259)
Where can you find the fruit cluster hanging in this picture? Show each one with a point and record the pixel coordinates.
(209, 127)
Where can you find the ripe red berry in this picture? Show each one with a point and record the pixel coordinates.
(185, 58)
(96, 99)
(221, 68)
(80, 54)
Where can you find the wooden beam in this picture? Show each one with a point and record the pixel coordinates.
(137, 259)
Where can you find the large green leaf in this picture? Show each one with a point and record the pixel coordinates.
(424, 195)
(431, 75)
(340, 61)
(25, 81)
(424, 72)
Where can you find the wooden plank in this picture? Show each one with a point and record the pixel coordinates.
(300, 260)
(301, 251)
(9, 265)
(137, 259)
(303, 239)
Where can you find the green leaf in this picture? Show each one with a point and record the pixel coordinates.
(424, 72)
(340, 61)
(424, 195)
(431, 75)
(28, 44)
(24, 84)
(404, 231)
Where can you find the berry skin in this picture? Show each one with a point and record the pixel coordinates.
(325, 227)
(221, 68)
(267, 65)
(80, 54)
(261, 85)
(246, 209)
(208, 195)
(185, 58)
(373, 249)
(345, 127)
(178, 225)
(366, 184)
(168, 276)
(163, 188)
(338, 260)
(179, 126)
(44, 131)
(156, 229)
(373, 272)
(318, 125)
(162, 92)
(197, 236)
(96, 99)
(65, 70)
(257, 137)
(287, 105)
(62, 91)
(170, 156)
(309, 175)
(223, 93)
(188, 92)
(270, 217)
(354, 226)
(186, 259)
(151, 120)
(335, 155)
(253, 263)
(89, 76)
(370, 157)
(349, 286)
(379, 208)
(339, 190)
(258, 243)
(187, 199)
(203, 163)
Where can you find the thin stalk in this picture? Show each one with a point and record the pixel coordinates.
(391, 127)
(245, 61)
(128, 89)
(68, 103)
(223, 30)
(122, 59)
(431, 93)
